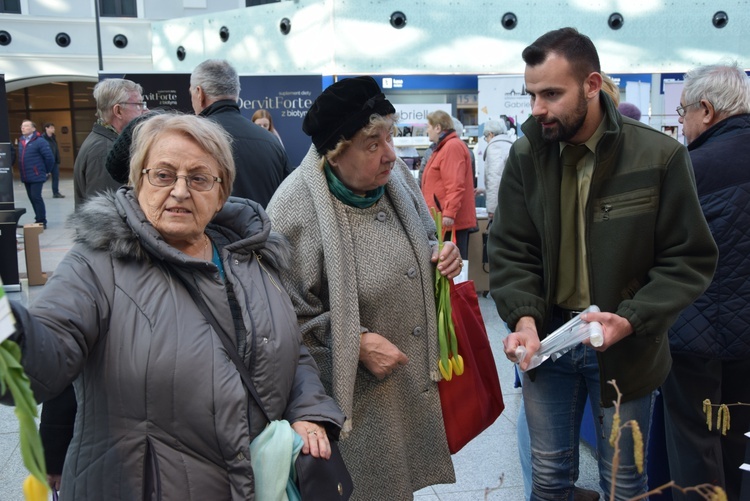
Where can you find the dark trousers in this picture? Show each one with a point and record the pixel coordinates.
(462, 241)
(34, 191)
(56, 179)
(696, 455)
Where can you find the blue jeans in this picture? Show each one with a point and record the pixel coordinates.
(34, 191)
(554, 404)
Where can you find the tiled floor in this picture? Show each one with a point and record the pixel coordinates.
(479, 466)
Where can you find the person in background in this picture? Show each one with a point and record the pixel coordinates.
(642, 252)
(118, 101)
(49, 135)
(264, 119)
(611, 89)
(630, 110)
(448, 181)
(362, 283)
(499, 140)
(710, 341)
(163, 412)
(262, 163)
(35, 162)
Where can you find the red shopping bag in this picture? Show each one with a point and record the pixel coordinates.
(472, 401)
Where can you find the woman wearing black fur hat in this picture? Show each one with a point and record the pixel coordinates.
(362, 283)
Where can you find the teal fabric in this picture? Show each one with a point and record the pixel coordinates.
(345, 195)
(217, 261)
(272, 456)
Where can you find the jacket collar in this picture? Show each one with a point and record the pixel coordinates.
(114, 222)
(221, 106)
(730, 125)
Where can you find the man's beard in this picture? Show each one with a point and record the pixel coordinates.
(568, 125)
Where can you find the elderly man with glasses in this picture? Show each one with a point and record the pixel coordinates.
(710, 342)
(118, 101)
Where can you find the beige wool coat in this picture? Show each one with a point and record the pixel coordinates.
(369, 269)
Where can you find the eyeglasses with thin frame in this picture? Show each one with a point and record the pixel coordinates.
(162, 178)
(141, 104)
(681, 110)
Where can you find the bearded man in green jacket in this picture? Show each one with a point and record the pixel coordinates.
(634, 243)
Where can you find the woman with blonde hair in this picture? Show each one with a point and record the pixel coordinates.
(448, 181)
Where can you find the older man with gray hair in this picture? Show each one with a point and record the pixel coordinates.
(262, 163)
(118, 101)
(710, 341)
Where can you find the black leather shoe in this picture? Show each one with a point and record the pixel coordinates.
(58, 195)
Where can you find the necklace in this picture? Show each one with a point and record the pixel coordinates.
(206, 255)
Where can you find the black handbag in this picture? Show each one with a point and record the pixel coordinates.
(321, 479)
(318, 479)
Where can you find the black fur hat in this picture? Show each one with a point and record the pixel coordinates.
(342, 110)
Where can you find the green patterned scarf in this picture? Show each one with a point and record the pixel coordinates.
(345, 195)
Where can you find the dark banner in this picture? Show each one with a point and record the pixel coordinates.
(4, 130)
(8, 216)
(286, 98)
(168, 91)
(6, 177)
(6, 162)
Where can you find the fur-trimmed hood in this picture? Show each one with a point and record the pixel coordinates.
(114, 222)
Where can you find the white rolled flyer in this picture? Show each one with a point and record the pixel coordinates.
(564, 339)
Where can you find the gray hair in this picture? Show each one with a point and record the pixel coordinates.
(217, 78)
(495, 127)
(112, 91)
(207, 134)
(725, 86)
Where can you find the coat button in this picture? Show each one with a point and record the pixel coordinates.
(381, 216)
(417, 331)
(236, 261)
(411, 273)
(340, 489)
(240, 456)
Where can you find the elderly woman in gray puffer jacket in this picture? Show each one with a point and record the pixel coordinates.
(163, 413)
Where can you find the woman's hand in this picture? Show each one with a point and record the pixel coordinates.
(448, 222)
(314, 438)
(380, 356)
(54, 481)
(449, 260)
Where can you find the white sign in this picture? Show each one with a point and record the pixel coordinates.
(415, 115)
(499, 95)
(502, 95)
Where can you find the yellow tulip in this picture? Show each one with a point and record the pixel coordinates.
(34, 490)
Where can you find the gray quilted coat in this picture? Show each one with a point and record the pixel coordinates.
(162, 410)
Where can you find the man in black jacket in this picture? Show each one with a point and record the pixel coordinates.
(261, 162)
(710, 341)
(49, 135)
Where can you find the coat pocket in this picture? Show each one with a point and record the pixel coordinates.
(632, 203)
